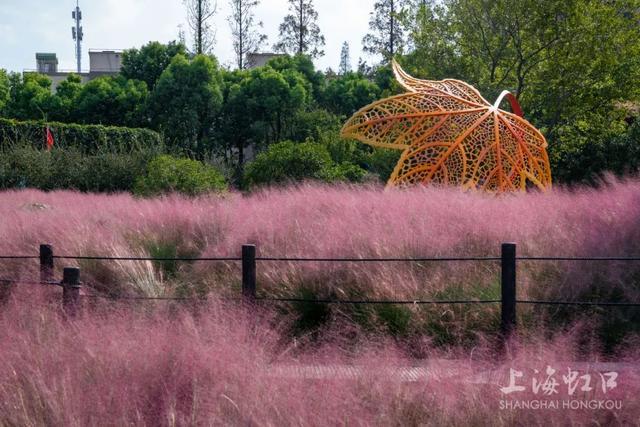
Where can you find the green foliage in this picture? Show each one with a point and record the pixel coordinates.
(348, 93)
(593, 144)
(289, 162)
(111, 101)
(344, 172)
(387, 29)
(186, 102)
(30, 96)
(5, 90)
(22, 166)
(302, 64)
(67, 93)
(259, 109)
(85, 138)
(105, 100)
(382, 161)
(148, 63)
(317, 124)
(166, 174)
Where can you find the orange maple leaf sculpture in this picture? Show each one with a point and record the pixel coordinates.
(452, 136)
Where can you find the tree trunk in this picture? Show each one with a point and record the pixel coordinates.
(392, 31)
(199, 25)
(240, 39)
(301, 30)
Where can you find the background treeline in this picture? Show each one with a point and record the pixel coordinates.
(573, 64)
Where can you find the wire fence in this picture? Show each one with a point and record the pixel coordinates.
(71, 284)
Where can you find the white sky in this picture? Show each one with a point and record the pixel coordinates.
(30, 26)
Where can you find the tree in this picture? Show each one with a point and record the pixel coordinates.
(259, 107)
(303, 65)
(148, 63)
(67, 94)
(246, 38)
(435, 50)
(386, 24)
(569, 62)
(199, 13)
(348, 93)
(5, 90)
(111, 101)
(345, 59)
(30, 96)
(186, 102)
(299, 32)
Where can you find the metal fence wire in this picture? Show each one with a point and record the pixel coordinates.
(71, 284)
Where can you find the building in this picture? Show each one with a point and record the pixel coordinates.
(101, 63)
(255, 60)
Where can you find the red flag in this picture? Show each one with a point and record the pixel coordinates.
(49, 139)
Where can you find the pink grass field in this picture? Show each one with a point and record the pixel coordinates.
(166, 364)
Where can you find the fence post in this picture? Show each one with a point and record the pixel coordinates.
(46, 263)
(249, 273)
(71, 291)
(508, 285)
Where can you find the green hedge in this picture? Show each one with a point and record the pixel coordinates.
(86, 138)
(24, 166)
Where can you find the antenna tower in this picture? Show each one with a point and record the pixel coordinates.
(78, 34)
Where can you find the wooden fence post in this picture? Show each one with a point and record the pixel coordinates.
(46, 263)
(249, 273)
(508, 285)
(71, 291)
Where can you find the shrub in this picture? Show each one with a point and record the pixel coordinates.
(167, 174)
(345, 172)
(22, 165)
(290, 161)
(85, 138)
(382, 161)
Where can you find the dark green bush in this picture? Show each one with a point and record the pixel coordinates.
(22, 166)
(85, 138)
(290, 161)
(166, 174)
(344, 172)
(382, 161)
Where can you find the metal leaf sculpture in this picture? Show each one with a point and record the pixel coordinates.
(452, 136)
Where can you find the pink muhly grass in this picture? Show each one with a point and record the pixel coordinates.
(165, 363)
(345, 221)
(225, 366)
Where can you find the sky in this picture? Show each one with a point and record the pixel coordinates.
(30, 26)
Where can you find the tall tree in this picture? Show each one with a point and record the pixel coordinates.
(30, 96)
(299, 32)
(186, 102)
(199, 14)
(246, 37)
(345, 59)
(67, 94)
(111, 100)
(387, 29)
(148, 63)
(4, 90)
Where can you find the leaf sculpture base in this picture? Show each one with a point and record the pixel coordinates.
(450, 135)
